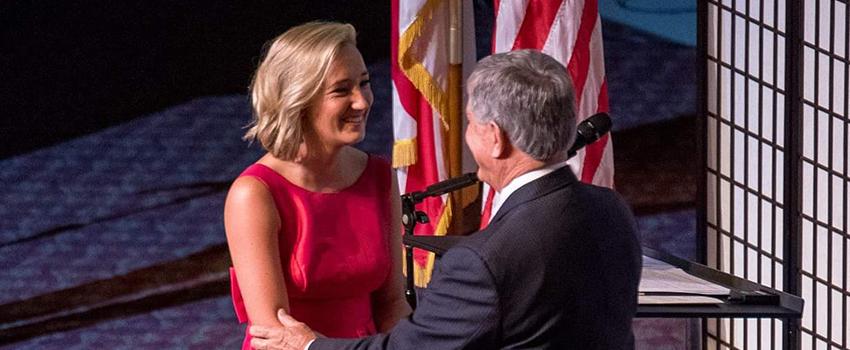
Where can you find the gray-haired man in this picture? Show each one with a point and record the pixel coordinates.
(559, 264)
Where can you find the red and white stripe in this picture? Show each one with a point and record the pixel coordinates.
(571, 32)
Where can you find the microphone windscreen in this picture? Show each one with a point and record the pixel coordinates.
(592, 128)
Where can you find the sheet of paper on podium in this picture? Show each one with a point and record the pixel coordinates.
(662, 283)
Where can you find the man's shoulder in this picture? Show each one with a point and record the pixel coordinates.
(551, 215)
(513, 228)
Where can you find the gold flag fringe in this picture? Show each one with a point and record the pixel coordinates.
(404, 152)
(414, 70)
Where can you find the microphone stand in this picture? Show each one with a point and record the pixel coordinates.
(410, 217)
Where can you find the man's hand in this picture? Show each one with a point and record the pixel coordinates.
(292, 335)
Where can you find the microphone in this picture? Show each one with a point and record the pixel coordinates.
(446, 186)
(590, 130)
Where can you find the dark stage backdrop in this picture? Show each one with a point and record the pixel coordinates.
(68, 68)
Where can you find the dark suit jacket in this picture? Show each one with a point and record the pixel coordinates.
(557, 268)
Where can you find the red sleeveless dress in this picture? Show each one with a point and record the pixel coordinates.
(334, 250)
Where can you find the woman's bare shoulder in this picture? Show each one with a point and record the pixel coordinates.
(248, 197)
(247, 188)
(250, 207)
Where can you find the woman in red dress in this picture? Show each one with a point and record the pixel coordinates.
(313, 226)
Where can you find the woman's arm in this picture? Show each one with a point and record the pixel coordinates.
(389, 305)
(251, 222)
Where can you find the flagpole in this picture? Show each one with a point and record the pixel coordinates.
(455, 118)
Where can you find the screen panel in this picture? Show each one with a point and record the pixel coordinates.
(744, 157)
(775, 206)
(824, 187)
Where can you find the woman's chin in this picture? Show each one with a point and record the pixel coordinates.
(353, 137)
(360, 138)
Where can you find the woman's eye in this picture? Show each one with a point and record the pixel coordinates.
(365, 82)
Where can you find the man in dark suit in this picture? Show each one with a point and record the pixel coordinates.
(559, 264)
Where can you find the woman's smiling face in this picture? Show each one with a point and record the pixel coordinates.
(338, 113)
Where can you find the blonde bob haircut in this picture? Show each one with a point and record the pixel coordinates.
(289, 77)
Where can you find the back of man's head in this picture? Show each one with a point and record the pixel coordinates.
(530, 96)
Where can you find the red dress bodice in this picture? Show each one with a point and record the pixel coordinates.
(334, 249)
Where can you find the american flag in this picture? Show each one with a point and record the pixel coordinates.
(571, 32)
(426, 76)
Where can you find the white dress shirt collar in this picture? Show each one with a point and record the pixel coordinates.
(500, 197)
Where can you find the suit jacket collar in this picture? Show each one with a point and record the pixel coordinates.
(542, 186)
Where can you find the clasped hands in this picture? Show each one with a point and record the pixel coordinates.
(290, 335)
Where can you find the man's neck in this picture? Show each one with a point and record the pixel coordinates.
(514, 168)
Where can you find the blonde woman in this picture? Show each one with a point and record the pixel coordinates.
(313, 226)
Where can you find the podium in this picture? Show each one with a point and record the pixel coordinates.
(745, 299)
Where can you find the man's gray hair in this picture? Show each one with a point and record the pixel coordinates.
(530, 96)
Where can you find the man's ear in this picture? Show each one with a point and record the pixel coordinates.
(499, 142)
